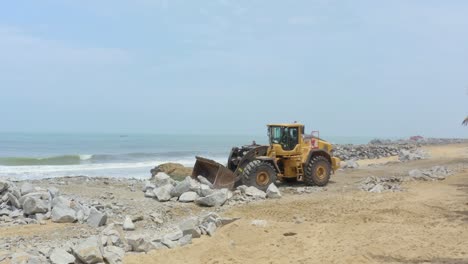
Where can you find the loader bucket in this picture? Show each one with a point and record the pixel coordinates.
(217, 174)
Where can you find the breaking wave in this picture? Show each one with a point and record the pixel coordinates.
(57, 160)
(102, 158)
(119, 170)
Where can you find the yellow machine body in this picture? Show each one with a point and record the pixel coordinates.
(288, 153)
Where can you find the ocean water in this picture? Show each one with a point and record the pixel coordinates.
(40, 155)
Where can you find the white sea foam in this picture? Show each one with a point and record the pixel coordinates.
(86, 156)
(117, 170)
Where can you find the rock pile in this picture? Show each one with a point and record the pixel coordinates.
(181, 235)
(31, 205)
(350, 164)
(368, 151)
(163, 188)
(379, 148)
(306, 189)
(351, 153)
(383, 184)
(246, 194)
(419, 141)
(414, 154)
(110, 245)
(432, 174)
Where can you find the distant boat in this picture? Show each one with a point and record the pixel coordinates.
(122, 136)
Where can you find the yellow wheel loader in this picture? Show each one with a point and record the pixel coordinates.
(290, 156)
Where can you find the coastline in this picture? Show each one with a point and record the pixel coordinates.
(123, 197)
(139, 163)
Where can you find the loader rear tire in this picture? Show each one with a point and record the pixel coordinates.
(259, 174)
(317, 171)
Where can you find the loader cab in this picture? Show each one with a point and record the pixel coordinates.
(287, 136)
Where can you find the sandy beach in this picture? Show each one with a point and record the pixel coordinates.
(426, 222)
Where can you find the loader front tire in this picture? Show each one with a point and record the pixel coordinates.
(259, 174)
(317, 171)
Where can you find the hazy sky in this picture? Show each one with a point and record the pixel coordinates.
(348, 68)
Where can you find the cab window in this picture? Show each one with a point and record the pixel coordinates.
(287, 137)
(293, 138)
(275, 135)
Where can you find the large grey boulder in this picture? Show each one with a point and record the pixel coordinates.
(96, 218)
(211, 221)
(150, 193)
(139, 244)
(157, 244)
(82, 211)
(111, 237)
(163, 193)
(62, 213)
(60, 256)
(205, 181)
(33, 205)
(190, 227)
(54, 192)
(18, 213)
(89, 251)
(205, 190)
(169, 243)
(60, 200)
(128, 224)
(209, 228)
(162, 179)
(175, 235)
(38, 195)
(25, 258)
(210, 217)
(14, 190)
(3, 186)
(273, 191)
(5, 211)
(187, 197)
(80, 217)
(14, 200)
(254, 192)
(113, 255)
(188, 184)
(185, 240)
(27, 188)
(148, 186)
(217, 198)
